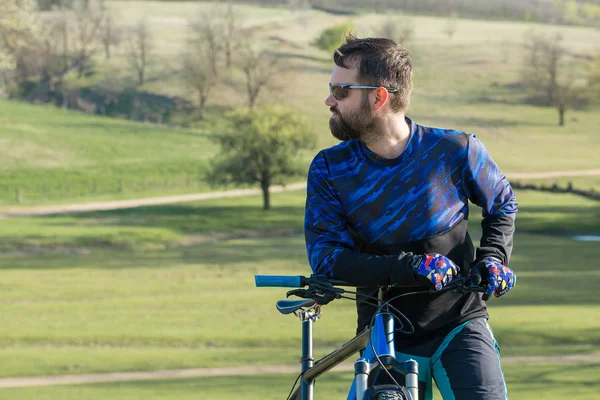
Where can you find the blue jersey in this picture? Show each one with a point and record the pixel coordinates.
(362, 211)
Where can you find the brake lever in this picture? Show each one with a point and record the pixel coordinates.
(465, 285)
(302, 293)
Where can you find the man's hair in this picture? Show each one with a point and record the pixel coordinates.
(380, 62)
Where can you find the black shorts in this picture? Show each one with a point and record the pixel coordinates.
(465, 364)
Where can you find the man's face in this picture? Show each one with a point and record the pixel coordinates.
(351, 117)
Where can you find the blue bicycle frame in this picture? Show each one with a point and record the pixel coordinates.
(377, 342)
(380, 350)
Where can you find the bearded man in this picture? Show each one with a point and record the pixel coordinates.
(388, 207)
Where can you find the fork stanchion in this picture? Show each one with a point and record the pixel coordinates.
(361, 373)
(411, 371)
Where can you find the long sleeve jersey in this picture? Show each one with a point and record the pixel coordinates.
(362, 211)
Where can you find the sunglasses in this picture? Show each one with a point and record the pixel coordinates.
(341, 91)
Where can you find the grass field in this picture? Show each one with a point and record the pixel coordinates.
(63, 156)
(172, 287)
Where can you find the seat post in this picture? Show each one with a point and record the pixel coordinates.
(307, 386)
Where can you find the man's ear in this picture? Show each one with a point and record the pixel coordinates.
(381, 97)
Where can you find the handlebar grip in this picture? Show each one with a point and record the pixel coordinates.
(475, 277)
(278, 281)
(476, 281)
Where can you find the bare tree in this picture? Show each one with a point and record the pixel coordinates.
(198, 74)
(260, 70)
(208, 31)
(401, 31)
(549, 69)
(140, 46)
(231, 24)
(42, 62)
(87, 20)
(110, 34)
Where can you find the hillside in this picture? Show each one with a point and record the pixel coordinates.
(51, 153)
(468, 82)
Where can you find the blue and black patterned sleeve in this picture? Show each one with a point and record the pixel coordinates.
(487, 187)
(330, 244)
(325, 225)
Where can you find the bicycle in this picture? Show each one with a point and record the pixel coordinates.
(376, 341)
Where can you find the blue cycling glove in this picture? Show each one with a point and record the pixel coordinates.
(500, 279)
(438, 269)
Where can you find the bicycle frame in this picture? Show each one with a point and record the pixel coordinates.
(377, 343)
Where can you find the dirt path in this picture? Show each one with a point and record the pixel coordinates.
(239, 371)
(120, 204)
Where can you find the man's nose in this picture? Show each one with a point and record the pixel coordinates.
(330, 101)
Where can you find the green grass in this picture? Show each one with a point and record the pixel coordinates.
(180, 293)
(64, 154)
(553, 380)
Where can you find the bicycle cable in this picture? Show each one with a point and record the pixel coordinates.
(294, 386)
(379, 310)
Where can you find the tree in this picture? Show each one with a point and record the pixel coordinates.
(198, 75)
(140, 46)
(261, 147)
(208, 31)
(110, 34)
(550, 70)
(17, 28)
(333, 37)
(87, 20)
(400, 31)
(260, 70)
(231, 22)
(42, 64)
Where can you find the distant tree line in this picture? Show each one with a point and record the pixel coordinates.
(44, 55)
(580, 12)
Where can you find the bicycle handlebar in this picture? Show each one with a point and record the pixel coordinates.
(463, 284)
(279, 281)
(296, 281)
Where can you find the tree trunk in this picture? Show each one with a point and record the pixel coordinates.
(107, 51)
(266, 198)
(141, 76)
(561, 116)
(201, 103)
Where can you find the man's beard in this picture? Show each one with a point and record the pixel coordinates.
(360, 124)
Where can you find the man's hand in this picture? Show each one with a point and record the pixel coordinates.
(500, 279)
(438, 269)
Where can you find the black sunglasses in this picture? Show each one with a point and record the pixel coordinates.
(341, 91)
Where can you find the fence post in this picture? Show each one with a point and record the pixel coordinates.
(20, 194)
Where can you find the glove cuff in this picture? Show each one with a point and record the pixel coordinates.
(403, 273)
